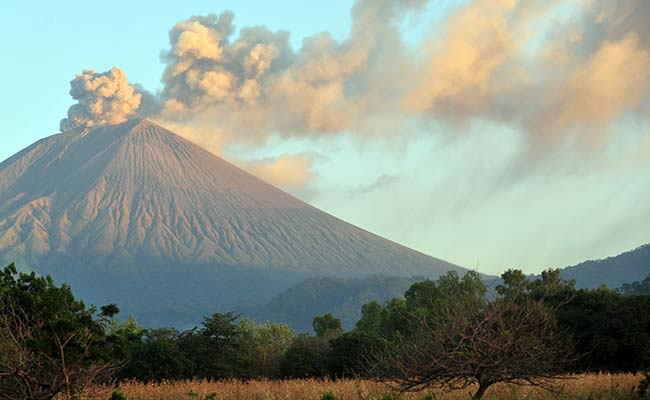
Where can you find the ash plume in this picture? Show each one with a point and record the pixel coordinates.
(513, 62)
(518, 64)
(256, 83)
(104, 98)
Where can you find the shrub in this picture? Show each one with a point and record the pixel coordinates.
(117, 395)
(328, 396)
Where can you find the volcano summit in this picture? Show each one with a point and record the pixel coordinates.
(135, 215)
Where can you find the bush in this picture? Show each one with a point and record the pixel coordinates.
(117, 395)
(328, 396)
(305, 358)
(350, 353)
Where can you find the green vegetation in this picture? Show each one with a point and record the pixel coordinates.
(343, 297)
(328, 396)
(118, 396)
(636, 288)
(450, 333)
(50, 342)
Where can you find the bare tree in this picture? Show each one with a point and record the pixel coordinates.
(464, 341)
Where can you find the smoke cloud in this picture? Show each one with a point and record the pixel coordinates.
(289, 171)
(103, 99)
(517, 63)
(256, 84)
(554, 71)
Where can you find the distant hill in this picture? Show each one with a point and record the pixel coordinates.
(614, 271)
(343, 297)
(136, 215)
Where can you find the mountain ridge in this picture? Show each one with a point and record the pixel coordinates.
(135, 201)
(614, 271)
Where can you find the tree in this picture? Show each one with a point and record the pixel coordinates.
(624, 335)
(327, 326)
(307, 355)
(264, 346)
(49, 342)
(457, 338)
(395, 321)
(348, 354)
(370, 321)
(306, 358)
(636, 288)
(157, 357)
(215, 349)
(123, 338)
(609, 330)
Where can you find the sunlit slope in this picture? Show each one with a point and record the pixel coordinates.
(133, 205)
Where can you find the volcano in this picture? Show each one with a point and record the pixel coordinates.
(135, 215)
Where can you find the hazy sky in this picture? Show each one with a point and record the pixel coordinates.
(497, 133)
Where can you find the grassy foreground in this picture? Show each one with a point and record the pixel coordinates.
(590, 386)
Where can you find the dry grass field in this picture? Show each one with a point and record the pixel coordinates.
(587, 387)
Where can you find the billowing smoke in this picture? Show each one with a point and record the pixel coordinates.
(555, 79)
(255, 84)
(553, 70)
(103, 99)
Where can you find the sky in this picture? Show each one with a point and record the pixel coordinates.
(493, 134)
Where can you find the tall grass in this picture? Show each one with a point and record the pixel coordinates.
(587, 387)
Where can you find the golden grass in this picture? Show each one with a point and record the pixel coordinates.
(590, 386)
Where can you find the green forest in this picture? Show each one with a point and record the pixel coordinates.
(452, 332)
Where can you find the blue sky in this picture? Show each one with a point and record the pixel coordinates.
(488, 174)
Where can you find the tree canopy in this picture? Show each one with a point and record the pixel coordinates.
(451, 332)
(50, 342)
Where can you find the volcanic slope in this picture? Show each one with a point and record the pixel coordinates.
(134, 214)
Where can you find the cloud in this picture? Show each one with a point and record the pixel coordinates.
(517, 63)
(456, 78)
(615, 79)
(553, 70)
(557, 72)
(103, 98)
(255, 84)
(205, 135)
(288, 171)
(381, 182)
